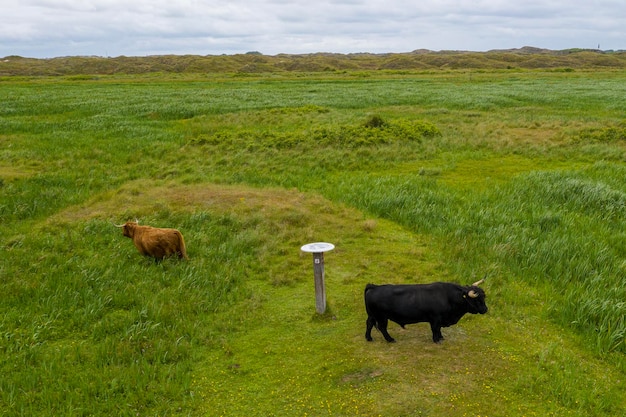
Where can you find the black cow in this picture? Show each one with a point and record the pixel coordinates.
(441, 304)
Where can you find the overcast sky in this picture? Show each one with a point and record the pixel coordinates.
(52, 28)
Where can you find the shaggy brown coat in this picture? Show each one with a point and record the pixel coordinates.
(155, 242)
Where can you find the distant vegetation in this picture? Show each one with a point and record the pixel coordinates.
(255, 62)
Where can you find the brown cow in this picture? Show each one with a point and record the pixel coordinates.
(155, 242)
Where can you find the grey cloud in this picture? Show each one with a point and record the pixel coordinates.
(45, 28)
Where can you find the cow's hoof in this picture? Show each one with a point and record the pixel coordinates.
(391, 340)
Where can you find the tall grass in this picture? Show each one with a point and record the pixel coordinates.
(565, 228)
(507, 173)
(101, 331)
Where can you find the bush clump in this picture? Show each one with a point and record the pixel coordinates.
(604, 134)
(374, 121)
(374, 131)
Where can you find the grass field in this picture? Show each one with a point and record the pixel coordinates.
(414, 176)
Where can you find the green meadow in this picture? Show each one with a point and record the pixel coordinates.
(516, 175)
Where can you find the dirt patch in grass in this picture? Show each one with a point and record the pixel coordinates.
(11, 173)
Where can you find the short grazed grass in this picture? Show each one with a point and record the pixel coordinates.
(415, 178)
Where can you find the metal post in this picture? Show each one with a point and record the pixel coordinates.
(318, 249)
(320, 289)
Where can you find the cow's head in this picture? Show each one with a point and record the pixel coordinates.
(475, 297)
(128, 228)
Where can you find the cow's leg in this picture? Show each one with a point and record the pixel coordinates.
(369, 324)
(436, 329)
(382, 326)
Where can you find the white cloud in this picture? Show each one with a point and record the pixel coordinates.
(46, 28)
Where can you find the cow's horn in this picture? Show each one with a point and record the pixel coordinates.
(117, 225)
(477, 283)
(472, 294)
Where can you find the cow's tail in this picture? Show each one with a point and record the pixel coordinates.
(183, 248)
(368, 287)
(371, 319)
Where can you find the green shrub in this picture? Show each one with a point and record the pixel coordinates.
(604, 134)
(374, 131)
